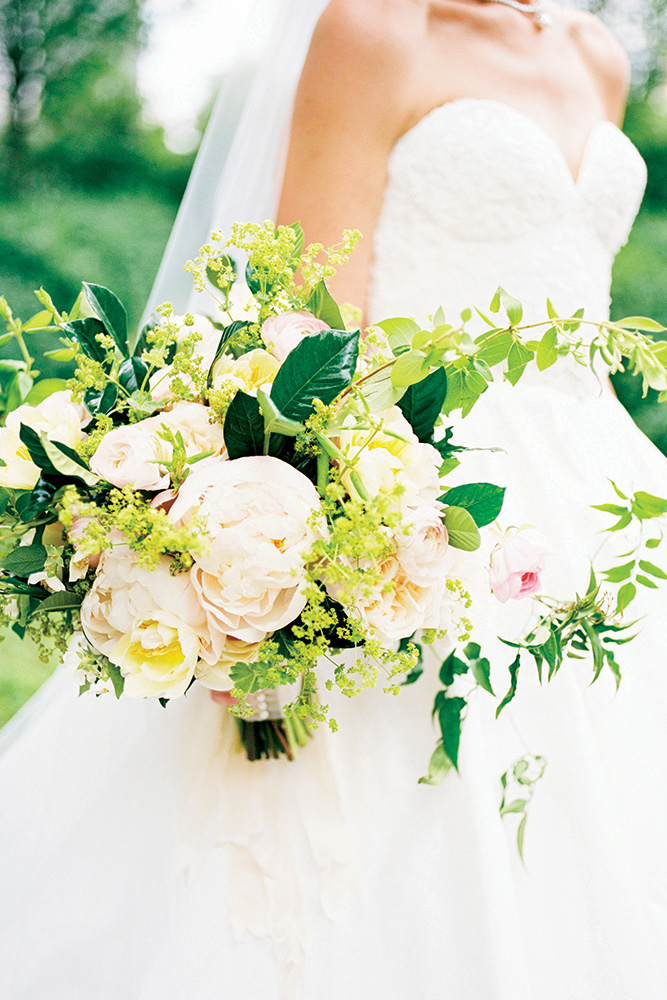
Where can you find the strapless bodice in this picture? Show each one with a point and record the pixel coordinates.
(479, 195)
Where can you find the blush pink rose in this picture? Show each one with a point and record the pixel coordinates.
(517, 563)
(282, 333)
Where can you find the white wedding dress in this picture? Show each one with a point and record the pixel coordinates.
(143, 858)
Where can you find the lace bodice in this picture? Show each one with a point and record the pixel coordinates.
(479, 195)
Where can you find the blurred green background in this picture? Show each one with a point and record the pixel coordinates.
(89, 189)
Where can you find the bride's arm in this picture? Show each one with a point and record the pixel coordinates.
(351, 105)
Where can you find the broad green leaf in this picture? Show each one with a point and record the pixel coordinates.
(244, 678)
(452, 667)
(400, 332)
(551, 312)
(132, 374)
(495, 346)
(43, 389)
(63, 600)
(626, 594)
(517, 359)
(101, 402)
(409, 368)
(516, 806)
(11, 365)
(85, 332)
(461, 528)
(640, 323)
(449, 719)
(116, 678)
(439, 767)
(514, 675)
(463, 390)
(653, 543)
(323, 305)
(38, 321)
(480, 666)
(319, 367)
(646, 581)
(62, 355)
(547, 355)
(422, 403)
(380, 392)
(483, 501)
(111, 311)
(31, 503)
(610, 508)
(55, 457)
(25, 560)
(244, 427)
(512, 307)
(19, 388)
(276, 422)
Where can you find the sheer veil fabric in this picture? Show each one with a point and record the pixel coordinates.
(239, 178)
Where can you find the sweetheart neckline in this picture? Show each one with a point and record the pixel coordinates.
(522, 116)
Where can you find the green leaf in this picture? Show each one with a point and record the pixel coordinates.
(274, 421)
(495, 346)
(409, 368)
(439, 767)
(483, 501)
(43, 389)
(480, 666)
(380, 392)
(132, 374)
(25, 560)
(616, 574)
(84, 332)
(616, 490)
(646, 581)
(244, 427)
(55, 457)
(517, 359)
(640, 323)
(38, 321)
(653, 543)
(626, 594)
(516, 806)
(19, 388)
(514, 676)
(547, 355)
(101, 402)
(452, 667)
(652, 569)
(512, 307)
(399, 332)
(63, 600)
(244, 678)
(323, 305)
(111, 311)
(463, 390)
(461, 528)
(116, 678)
(422, 403)
(319, 367)
(449, 719)
(646, 505)
(610, 508)
(520, 835)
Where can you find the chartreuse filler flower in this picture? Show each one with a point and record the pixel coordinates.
(262, 501)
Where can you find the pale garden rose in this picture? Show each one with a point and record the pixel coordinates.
(258, 512)
(283, 332)
(192, 420)
(252, 371)
(132, 455)
(394, 456)
(80, 562)
(56, 416)
(147, 621)
(517, 563)
(159, 382)
(424, 551)
(230, 651)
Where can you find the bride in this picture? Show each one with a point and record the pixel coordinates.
(474, 143)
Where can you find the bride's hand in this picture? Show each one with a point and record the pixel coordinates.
(223, 698)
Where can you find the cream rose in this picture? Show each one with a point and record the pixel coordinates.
(131, 456)
(56, 416)
(283, 332)
(424, 551)
(397, 607)
(257, 512)
(146, 621)
(394, 456)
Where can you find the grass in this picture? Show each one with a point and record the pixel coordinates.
(21, 673)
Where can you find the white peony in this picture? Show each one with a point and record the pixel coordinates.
(56, 416)
(258, 513)
(147, 621)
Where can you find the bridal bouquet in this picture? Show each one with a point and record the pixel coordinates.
(235, 500)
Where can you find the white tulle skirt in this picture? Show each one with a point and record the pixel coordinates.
(144, 858)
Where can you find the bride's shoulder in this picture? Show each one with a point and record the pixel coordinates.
(605, 57)
(378, 25)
